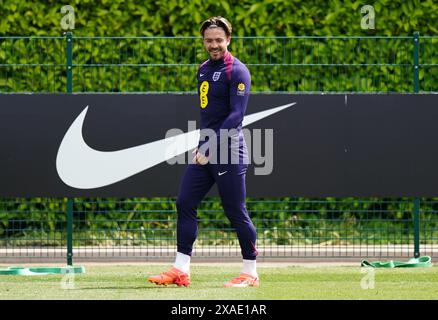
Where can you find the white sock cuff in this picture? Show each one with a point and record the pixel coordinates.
(250, 267)
(182, 262)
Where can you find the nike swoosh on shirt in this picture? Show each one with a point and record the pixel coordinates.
(82, 167)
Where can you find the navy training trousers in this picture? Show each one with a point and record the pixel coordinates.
(195, 184)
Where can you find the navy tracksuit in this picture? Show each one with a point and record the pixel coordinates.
(223, 88)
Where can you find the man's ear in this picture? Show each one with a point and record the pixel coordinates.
(228, 40)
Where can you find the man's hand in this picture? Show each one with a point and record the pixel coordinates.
(199, 158)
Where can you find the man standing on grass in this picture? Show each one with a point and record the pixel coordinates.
(223, 88)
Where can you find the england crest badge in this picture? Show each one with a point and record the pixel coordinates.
(216, 76)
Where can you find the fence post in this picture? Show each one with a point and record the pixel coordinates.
(416, 227)
(416, 90)
(70, 232)
(69, 53)
(416, 62)
(69, 72)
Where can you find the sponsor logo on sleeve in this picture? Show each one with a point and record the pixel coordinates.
(203, 90)
(241, 89)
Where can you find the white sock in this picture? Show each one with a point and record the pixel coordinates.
(182, 262)
(249, 267)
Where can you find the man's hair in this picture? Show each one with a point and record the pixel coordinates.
(217, 22)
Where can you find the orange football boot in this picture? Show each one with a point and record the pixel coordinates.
(173, 276)
(242, 281)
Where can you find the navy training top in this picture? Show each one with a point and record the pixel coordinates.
(223, 89)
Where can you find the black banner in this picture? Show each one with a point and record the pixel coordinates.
(323, 145)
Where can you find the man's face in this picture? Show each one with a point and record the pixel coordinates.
(216, 42)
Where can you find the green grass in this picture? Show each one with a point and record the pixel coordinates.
(129, 282)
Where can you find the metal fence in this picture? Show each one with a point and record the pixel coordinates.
(169, 64)
(144, 229)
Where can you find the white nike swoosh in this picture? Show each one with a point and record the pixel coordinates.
(221, 173)
(201, 74)
(82, 167)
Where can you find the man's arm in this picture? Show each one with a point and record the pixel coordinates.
(239, 94)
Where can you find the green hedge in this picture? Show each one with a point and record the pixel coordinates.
(249, 17)
(287, 65)
(170, 64)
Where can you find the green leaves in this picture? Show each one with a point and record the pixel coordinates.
(249, 17)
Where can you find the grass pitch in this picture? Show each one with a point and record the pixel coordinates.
(281, 283)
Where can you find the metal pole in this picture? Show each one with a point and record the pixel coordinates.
(70, 232)
(69, 52)
(416, 90)
(69, 56)
(416, 62)
(416, 227)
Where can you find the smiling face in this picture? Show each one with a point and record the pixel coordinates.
(216, 42)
